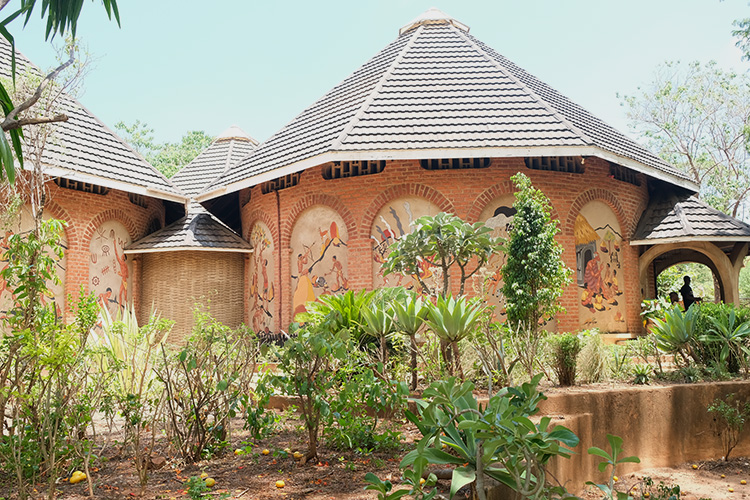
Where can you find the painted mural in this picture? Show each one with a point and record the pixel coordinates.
(392, 222)
(56, 296)
(599, 268)
(262, 293)
(319, 256)
(498, 215)
(109, 270)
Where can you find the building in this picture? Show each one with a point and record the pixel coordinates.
(436, 121)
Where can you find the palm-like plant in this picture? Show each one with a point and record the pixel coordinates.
(411, 314)
(452, 320)
(732, 338)
(378, 322)
(676, 333)
(341, 311)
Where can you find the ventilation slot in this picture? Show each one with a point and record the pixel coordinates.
(138, 199)
(454, 163)
(342, 169)
(567, 164)
(83, 187)
(623, 174)
(281, 183)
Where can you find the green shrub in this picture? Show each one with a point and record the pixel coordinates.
(565, 349)
(730, 418)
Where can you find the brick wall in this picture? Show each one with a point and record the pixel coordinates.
(463, 192)
(84, 212)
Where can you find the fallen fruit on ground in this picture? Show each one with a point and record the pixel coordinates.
(204, 475)
(695, 466)
(298, 455)
(280, 484)
(210, 482)
(238, 452)
(422, 481)
(266, 451)
(77, 477)
(743, 482)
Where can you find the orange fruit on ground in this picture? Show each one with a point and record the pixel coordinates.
(743, 482)
(731, 490)
(695, 466)
(204, 475)
(422, 481)
(210, 481)
(266, 451)
(280, 484)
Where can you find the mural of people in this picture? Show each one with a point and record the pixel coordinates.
(56, 296)
(109, 268)
(392, 222)
(598, 240)
(262, 293)
(498, 215)
(319, 256)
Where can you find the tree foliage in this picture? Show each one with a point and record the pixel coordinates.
(533, 275)
(443, 241)
(697, 117)
(168, 157)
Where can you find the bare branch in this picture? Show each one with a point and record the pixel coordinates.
(11, 121)
(37, 121)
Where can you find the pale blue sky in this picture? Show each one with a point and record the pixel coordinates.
(182, 65)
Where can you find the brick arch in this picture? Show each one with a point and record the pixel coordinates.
(259, 215)
(606, 197)
(71, 230)
(401, 191)
(484, 199)
(310, 201)
(112, 214)
(494, 192)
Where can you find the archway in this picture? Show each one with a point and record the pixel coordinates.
(703, 280)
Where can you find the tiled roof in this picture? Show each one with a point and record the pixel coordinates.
(439, 91)
(228, 148)
(673, 218)
(196, 231)
(83, 148)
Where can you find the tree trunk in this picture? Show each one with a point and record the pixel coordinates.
(413, 362)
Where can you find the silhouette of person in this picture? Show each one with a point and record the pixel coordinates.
(688, 299)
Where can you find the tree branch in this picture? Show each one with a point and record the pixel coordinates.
(36, 121)
(11, 122)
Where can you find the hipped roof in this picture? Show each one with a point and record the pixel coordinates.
(195, 231)
(231, 146)
(437, 92)
(671, 218)
(84, 149)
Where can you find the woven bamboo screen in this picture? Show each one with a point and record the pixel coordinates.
(174, 282)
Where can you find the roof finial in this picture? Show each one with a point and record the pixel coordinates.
(433, 16)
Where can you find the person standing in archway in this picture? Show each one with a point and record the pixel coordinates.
(688, 299)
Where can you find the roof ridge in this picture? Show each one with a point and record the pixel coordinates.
(227, 161)
(414, 34)
(528, 89)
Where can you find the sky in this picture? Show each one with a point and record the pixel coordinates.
(181, 65)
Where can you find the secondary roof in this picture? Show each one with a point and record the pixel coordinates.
(84, 149)
(438, 92)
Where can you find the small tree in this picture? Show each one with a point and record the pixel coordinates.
(534, 275)
(443, 241)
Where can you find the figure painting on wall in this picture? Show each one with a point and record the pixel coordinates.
(391, 223)
(23, 225)
(262, 292)
(109, 267)
(319, 256)
(498, 215)
(598, 246)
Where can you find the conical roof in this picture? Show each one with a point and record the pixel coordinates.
(195, 231)
(226, 150)
(438, 92)
(85, 150)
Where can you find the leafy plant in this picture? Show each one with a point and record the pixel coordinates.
(730, 416)
(494, 355)
(730, 337)
(499, 441)
(534, 275)
(452, 320)
(641, 374)
(565, 349)
(411, 314)
(612, 459)
(308, 366)
(676, 333)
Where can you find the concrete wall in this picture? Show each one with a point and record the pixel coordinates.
(663, 426)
